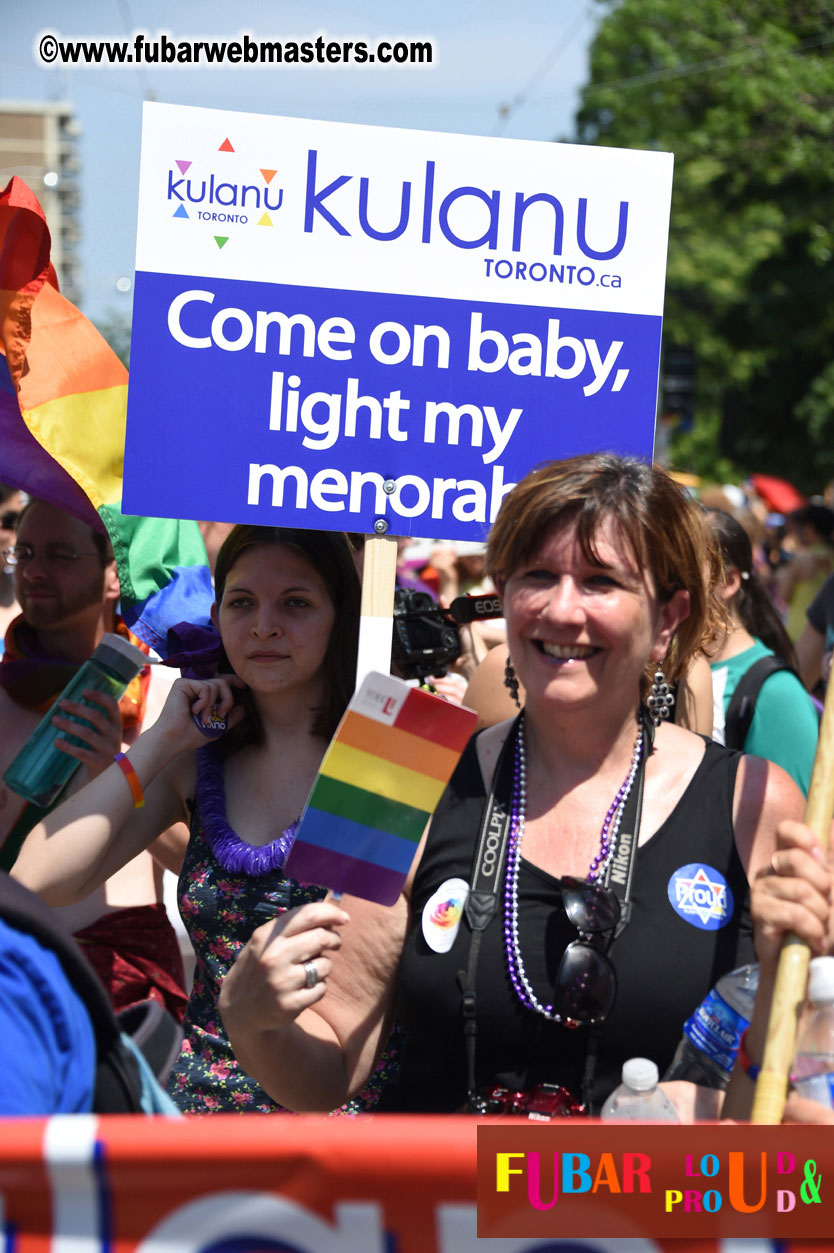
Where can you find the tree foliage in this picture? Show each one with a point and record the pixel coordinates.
(743, 95)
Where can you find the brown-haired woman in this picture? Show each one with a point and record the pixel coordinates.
(588, 958)
(783, 725)
(688, 677)
(287, 614)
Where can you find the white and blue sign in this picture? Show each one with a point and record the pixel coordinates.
(335, 324)
(701, 896)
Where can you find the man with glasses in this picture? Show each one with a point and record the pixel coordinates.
(11, 503)
(67, 584)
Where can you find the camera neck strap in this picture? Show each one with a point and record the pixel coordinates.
(619, 873)
(488, 877)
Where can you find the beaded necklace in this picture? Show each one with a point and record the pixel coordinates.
(608, 840)
(231, 852)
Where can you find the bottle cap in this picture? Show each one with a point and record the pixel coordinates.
(640, 1074)
(821, 979)
(120, 655)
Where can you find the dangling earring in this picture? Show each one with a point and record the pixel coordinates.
(660, 699)
(511, 681)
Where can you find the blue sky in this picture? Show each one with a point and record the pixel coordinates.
(530, 55)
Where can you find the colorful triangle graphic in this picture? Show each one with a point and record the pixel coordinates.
(268, 175)
(226, 146)
(181, 212)
(266, 220)
(183, 166)
(220, 240)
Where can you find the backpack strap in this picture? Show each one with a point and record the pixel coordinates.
(743, 701)
(117, 1082)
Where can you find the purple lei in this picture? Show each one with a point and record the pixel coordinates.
(231, 852)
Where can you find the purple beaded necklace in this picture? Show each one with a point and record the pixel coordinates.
(231, 852)
(608, 837)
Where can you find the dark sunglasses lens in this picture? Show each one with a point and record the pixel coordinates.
(590, 908)
(585, 984)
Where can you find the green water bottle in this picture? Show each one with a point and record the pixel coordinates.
(40, 771)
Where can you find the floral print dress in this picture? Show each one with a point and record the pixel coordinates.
(220, 910)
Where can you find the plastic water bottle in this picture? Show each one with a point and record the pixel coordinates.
(711, 1036)
(638, 1098)
(813, 1067)
(40, 771)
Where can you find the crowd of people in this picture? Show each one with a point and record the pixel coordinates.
(647, 732)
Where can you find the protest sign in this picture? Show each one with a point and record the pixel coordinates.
(338, 325)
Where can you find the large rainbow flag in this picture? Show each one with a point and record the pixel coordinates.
(63, 401)
(381, 778)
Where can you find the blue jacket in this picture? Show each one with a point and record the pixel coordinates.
(47, 1046)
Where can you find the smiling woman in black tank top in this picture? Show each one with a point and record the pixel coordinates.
(590, 955)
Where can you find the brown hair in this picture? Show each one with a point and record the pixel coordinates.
(330, 555)
(751, 603)
(662, 525)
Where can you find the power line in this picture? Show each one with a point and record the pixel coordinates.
(129, 27)
(682, 71)
(506, 111)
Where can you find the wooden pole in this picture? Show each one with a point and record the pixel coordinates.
(792, 972)
(379, 574)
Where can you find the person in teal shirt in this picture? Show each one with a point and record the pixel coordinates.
(785, 725)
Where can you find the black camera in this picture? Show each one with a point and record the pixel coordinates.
(540, 1104)
(425, 635)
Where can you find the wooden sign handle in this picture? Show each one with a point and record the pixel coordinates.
(379, 575)
(792, 972)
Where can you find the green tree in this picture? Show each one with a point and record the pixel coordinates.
(743, 95)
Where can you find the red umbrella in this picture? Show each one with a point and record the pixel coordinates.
(778, 494)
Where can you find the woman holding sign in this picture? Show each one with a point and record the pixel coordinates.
(235, 756)
(584, 881)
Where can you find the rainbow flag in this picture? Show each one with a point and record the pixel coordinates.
(63, 401)
(379, 783)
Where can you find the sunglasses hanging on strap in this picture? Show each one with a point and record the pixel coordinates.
(586, 980)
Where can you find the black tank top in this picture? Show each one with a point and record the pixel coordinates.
(690, 923)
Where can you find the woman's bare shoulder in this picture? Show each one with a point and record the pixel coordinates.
(765, 794)
(490, 742)
(677, 749)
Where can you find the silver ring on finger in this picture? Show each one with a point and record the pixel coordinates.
(311, 975)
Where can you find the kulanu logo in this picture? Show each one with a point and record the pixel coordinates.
(216, 198)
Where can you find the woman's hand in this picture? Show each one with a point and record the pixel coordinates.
(444, 561)
(693, 1102)
(450, 686)
(793, 894)
(101, 730)
(311, 1048)
(266, 988)
(200, 697)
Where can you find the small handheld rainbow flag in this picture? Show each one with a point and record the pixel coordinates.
(381, 778)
